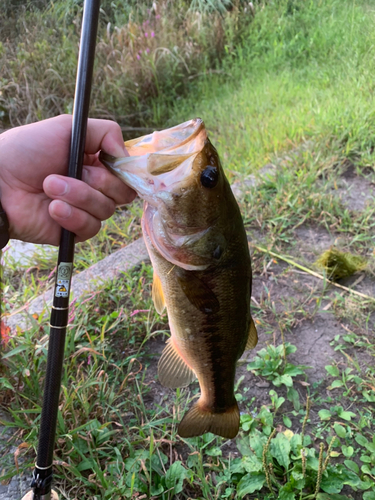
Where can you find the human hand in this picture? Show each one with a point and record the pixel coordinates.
(35, 194)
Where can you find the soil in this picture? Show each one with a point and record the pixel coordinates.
(356, 191)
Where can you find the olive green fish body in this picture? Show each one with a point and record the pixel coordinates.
(210, 335)
(202, 272)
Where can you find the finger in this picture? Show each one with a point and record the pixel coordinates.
(80, 195)
(79, 222)
(102, 180)
(106, 135)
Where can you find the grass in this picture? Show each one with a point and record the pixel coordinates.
(146, 58)
(304, 103)
(304, 73)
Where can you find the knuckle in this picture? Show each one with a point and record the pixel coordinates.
(85, 196)
(114, 127)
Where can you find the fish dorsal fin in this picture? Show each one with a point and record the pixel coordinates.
(197, 292)
(252, 339)
(172, 369)
(157, 294)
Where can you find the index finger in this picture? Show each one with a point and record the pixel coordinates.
(106, 135)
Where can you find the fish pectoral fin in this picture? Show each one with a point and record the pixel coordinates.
(198, 421)
(197, 292)
(252, 339)
(172, 369)
(157, 294)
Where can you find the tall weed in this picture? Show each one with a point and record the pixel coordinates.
(148, 55)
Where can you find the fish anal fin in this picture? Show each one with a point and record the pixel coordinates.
(172, 369)
(197, 292)
(198, 421)
(252, 339)
(157, 294)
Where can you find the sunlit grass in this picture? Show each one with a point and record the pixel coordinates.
(307, 77)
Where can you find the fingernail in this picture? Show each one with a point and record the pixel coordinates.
(57, 186)
(60, 209)
(119, 151)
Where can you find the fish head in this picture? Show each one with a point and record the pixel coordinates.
(179, 175)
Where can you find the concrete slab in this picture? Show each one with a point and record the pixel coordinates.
(107, 269)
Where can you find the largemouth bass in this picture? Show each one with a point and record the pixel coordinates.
(197, 243)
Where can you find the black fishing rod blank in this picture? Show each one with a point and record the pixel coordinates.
(42, 477)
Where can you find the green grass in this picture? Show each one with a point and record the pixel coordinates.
(146, 57)
(302, 73)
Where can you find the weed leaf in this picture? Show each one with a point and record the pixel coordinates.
(257, 442)
(175, 476)
(250, 483)
(332, 482)
(324, 414)
(369, 495)
(287, 421)
(286, 493)
(283, 379)
(347, 450)
(335, 384)
(293, 396)
(332, 370)
(346, 415)
(251, 463)
(361, 440)
(340, 430)
(4, 383)
(280, 449)
(352, 465)
(324, 496)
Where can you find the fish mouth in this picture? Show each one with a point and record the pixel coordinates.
(160, 161)
(177, 139)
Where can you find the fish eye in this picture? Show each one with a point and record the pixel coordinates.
(209, 177)
(218, 252)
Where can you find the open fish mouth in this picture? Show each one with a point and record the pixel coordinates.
(161, 160)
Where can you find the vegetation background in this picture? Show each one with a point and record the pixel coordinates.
(287, 82)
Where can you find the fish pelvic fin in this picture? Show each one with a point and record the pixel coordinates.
(252, 339)
(157, 294)
(199, 420)
(172, 369)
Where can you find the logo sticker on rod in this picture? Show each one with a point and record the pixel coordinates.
(64, 273)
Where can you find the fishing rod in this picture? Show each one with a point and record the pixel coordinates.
(42, 477)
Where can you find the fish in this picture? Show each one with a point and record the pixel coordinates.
(195, 236)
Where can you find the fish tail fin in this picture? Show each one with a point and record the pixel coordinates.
(199, 420)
